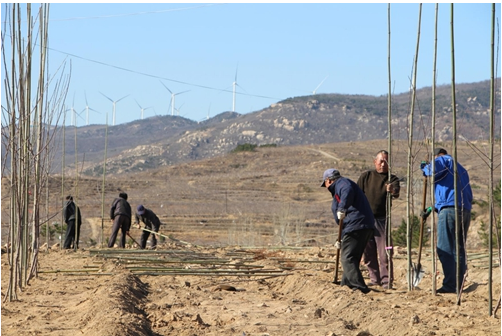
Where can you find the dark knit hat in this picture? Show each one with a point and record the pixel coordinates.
(438, 151)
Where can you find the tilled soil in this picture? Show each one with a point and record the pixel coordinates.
(187, 290)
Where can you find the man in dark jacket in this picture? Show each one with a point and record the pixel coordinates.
(152, 223)
(120, 213)
(71, 214)
(376, 186)
(350, 206)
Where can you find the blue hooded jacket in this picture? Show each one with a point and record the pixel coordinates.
(444, 191)
(348, 197)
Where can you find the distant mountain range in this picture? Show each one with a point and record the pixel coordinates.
(323, 118)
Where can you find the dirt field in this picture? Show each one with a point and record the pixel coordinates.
(272, 292)
(255, 221)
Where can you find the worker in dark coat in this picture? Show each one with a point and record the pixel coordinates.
(120, 213)
(350, 207)
(71, 215)
(152, 223)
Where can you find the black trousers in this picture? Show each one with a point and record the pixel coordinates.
(70, 234)
(146, 234)
(120, 222)
(353, 244)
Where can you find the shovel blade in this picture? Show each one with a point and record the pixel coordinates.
(418, 273)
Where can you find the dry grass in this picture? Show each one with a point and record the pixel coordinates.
(267, 197)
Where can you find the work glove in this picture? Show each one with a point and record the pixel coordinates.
(423, 164)
(424, 214)
(340, 215)
(337, 245)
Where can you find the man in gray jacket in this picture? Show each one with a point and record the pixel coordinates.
(120, 213)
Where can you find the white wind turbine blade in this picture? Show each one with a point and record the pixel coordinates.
(106, 97)
(166, 87)
(181, 92)
(122, 98)
(313, 92)
(171, 105)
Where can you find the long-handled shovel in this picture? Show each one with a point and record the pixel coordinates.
(169, 237)
(134, 240)
(340, 228)
(418, 271)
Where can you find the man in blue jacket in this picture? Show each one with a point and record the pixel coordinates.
(350, 205)
(444, 194)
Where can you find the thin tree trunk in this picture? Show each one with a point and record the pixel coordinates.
(409, 162)
(490, 184)
(389, 248)
(433, 163)
(455, 168)
(104, 185)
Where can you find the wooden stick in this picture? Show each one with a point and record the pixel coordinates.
(340, 228)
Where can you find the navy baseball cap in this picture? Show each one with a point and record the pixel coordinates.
(140, 209)
(329, 173)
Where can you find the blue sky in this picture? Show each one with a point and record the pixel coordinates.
(277, 51)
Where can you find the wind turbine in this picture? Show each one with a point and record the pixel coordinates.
(142, 109)
(173, 97)
(179, 109)
(114, 103)
(87, 108)
(313, 92)
(235, 85)
(73, 120)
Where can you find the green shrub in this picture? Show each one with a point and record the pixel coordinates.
(53, 229)
(484, 234)
(399, 235)
(269, 145)
(247, 147)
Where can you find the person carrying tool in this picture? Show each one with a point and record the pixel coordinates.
(151, 221)
(444, 194)
(70, 214)
(376, 186)
(120, 213)
(351, 208)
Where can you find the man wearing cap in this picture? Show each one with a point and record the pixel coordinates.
(152, 223)
(120, 213)
(350, 207)
(71, 215)
(376, 186)
(444, 194)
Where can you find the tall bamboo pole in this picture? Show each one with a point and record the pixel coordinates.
(409, 162)
(455, 168)
(490, 185)
(433, 163)
(389, 248)
(104, 185)
(75, 242)
(62, 182)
